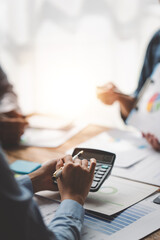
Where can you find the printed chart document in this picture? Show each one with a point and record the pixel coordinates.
(133, 223)
(128, 146)
(115, 195)
(146, 115)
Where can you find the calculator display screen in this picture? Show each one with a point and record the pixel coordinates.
(99, 155)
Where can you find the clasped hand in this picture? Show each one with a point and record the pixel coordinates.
(74, 183)
(108, 93)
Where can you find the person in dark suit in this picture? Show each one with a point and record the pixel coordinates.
(109, 93)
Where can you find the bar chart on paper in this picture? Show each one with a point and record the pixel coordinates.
(119, 221)
(135, 222)
(117, 226)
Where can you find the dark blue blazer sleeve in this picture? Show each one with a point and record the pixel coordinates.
(152, 57)
(20, 218)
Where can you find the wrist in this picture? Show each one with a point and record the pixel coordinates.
(36, 181)
(76, 197)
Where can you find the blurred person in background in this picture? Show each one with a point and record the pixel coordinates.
(109, 93)
(12, 122)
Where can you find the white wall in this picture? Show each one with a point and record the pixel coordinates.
(56, 52)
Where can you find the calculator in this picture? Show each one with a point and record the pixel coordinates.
(105, 161)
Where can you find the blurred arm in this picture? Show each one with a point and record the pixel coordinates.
(109, 94)
(126, 104)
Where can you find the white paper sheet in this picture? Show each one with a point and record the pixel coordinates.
(128, 146)
(48, 138)
(115, 195)
(49, 122)
(47, 207)
(147, 171)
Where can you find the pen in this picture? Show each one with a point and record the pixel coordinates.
(58, 172)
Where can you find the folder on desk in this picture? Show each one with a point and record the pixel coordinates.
(24, 167)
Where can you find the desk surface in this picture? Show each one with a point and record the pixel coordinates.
(42, 154)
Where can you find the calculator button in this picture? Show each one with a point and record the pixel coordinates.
(98, 164)
(100, 173)
(96, 179)
(104, 166)
(102, 170)
(94, 184)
